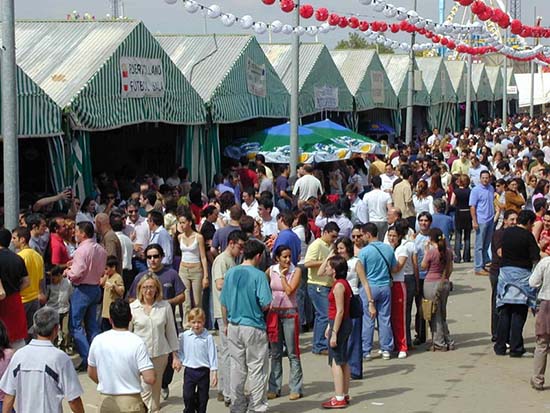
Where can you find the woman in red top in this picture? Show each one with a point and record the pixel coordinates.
(338, 332)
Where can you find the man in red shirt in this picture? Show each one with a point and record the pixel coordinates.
(59, 253)
(249, 178)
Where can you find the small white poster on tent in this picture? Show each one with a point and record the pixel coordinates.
(256, 78)
(141, 77)
(377, 86)
(326, 97)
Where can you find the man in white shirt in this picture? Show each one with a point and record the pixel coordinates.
(269, 224)
(475, 170)
(359, 213)
(307, 186)
(434, 136)
(250, 205)
(117, 362)
(39, 375)
(388, 178)
(377, 202)
(127, 248)
(160, 236)
(138, 231)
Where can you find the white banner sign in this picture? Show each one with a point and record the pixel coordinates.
(377, 86)
(141, 77)
(326, 97)
(256, 79)
(512, 90)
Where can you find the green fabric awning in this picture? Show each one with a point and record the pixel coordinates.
(496, 81)
(481, 83)
(366, 79)
(37, 114)
(232, 75)
(106, 74)
(322, 87)
(397, 67)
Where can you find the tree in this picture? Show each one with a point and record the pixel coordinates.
(356, 41)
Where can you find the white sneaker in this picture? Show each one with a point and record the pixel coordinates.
(379, 351)
(367, 357)
(386, 355)
(402, 355)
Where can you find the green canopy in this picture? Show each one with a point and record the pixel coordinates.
(366, 79)
(496, 81)
(274, 144)
(232, 75)
(322, 87)
(106, 74)
(397, 67)
(481, 83)
(37, 113)
(442, 110)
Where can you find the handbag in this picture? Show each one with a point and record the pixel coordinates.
(355, 306)
(428, 309)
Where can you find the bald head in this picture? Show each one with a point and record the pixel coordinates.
(102, 223)
(394, 214)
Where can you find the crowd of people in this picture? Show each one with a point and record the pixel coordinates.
(135, 277)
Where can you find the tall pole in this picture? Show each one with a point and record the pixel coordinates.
(115, 9)
(9, 118)
(410, 91)
(532, 91)
(468, 117)
(505, 85)
(294, 94)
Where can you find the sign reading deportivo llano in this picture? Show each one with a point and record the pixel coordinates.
(141, 77)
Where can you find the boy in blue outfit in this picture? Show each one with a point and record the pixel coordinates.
(198, 356)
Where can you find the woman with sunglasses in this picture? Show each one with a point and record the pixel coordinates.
(153, 321)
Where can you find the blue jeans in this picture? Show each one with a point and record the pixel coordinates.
(484, 235)
(84, 302)
(319, 299)
(355, 350)
(287, 333)
(382, 302)
(305, 311)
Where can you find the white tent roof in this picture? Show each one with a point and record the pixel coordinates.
(542, 88)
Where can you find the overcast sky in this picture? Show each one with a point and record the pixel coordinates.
(160, 17)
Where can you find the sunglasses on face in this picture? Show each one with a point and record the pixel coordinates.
(153, 257)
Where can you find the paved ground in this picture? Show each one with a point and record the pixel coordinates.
(470, 379)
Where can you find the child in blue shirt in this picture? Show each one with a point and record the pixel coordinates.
(198, 356)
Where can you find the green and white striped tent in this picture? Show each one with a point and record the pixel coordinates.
(38, 116)
(322, 87)
(513, 92)
(232, 75)
(458, 73)
(397, 67)
(483, 92)
(441, 113)
(366, 79)
(496, 81)
(83, 67)
(481, 83)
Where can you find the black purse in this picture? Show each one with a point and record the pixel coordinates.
(355, 306)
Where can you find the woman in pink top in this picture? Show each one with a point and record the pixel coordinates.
(5, 356)
(438, 261)
(283, 324)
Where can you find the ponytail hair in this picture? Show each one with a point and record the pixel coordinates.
(436, 236)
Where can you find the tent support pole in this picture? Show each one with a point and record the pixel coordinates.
(410, 91)
(9, 118)
(294, 94)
